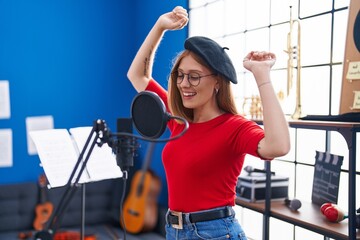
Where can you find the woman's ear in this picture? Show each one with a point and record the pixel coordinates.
(217, 86)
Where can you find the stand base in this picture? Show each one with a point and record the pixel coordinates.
(43, 235)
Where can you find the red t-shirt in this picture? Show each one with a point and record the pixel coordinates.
(203, 165)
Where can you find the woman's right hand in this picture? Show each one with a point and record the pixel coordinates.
(174, 20)
(140, 71)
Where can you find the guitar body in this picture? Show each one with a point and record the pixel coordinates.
(43, 212)
(140, 208)
(44, 209)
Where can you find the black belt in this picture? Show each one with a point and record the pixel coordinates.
(176, 219)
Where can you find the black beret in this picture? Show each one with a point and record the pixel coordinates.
(213, 54)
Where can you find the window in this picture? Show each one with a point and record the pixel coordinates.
(264, 25)
(248, 25)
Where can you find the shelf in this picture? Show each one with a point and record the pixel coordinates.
(308, 217)
(257, 207)
(318, 124)
(349, 132)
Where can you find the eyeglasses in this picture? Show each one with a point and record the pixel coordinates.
(193, 77)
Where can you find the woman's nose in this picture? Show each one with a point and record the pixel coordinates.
(185, 82)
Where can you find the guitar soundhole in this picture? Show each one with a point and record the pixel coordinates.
(45, 212)
(134, 213)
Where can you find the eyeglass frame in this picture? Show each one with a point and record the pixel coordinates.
(176, 75)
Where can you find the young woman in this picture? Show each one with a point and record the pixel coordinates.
(203, 165)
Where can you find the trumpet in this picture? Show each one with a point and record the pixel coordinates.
(294, 53)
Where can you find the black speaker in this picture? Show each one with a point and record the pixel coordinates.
(356, 31)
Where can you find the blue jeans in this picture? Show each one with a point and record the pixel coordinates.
(219, 229)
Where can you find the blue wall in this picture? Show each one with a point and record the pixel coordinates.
(147, 12)
(68, 59)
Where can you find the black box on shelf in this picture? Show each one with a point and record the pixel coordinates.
(251, 188)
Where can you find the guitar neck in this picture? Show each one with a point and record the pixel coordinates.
(43, 194)
(146, 164)
(149, 152)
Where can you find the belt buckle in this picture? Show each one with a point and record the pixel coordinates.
(180, 220)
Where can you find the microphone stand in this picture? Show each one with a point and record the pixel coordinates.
(102, 135)
(123, 148)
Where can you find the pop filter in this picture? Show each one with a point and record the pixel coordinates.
(149, 114)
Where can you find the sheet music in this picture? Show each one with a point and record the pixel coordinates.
(59, 152)
(6, 148)
(102, 162)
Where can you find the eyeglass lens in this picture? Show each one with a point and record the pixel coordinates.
(193, 78)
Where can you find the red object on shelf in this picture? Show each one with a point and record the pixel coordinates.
(332, 212)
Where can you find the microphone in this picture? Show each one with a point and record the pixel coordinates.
(150, 119)
(124, 146)
(250, 170)
(332, 212)
(294, 204)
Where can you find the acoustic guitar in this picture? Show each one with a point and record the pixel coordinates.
(44, 208)
(140, 207)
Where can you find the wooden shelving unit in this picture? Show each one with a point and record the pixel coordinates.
(309, 216)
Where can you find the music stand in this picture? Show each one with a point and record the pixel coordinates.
(102, 135)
